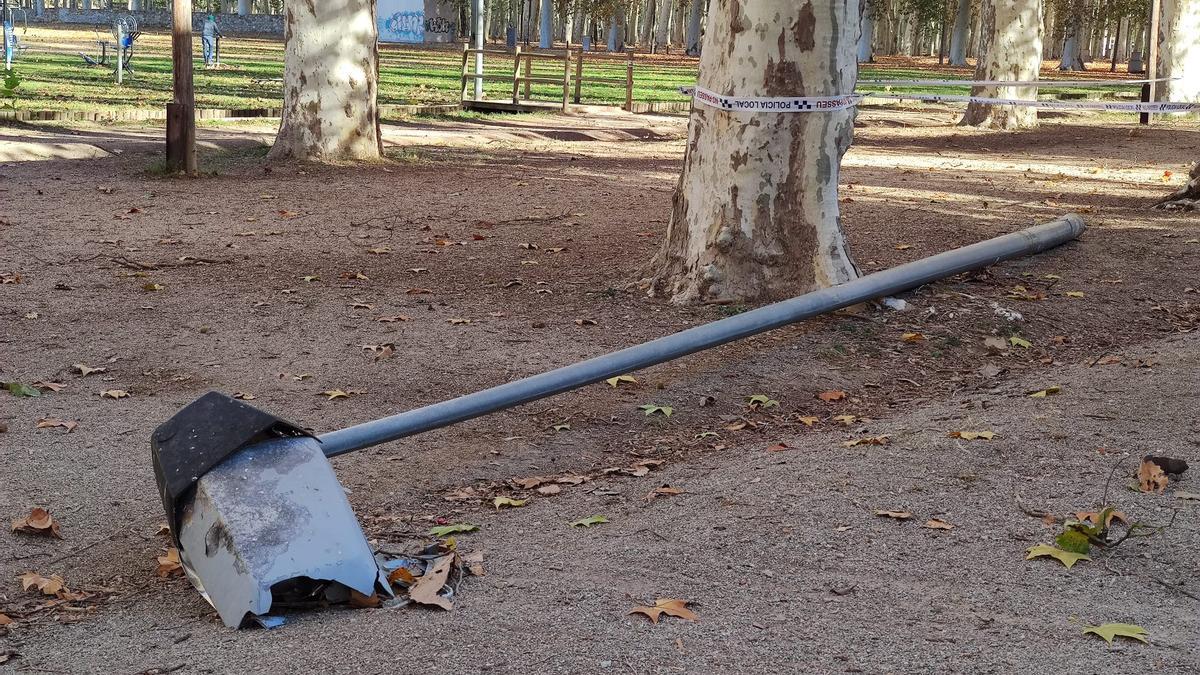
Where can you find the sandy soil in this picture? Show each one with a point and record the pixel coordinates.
(780, 551)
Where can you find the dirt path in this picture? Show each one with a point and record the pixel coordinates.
(445, 231)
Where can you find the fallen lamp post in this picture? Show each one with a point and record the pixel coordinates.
(259, 517)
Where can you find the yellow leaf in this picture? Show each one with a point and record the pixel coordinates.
(1048, 391)
(1108, 631)
(809, 421)
(335, 393)
(668, 606)
(903, 247)
(1020, 342)
(870, 440)
(614, 382)
(973, 435)
(508, 501)
(1067, 558)
(1074, 294)
(912, 337)
(845, 420)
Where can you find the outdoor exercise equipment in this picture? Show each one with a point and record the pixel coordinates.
(13, 45)
(125, 33)
(258, 515)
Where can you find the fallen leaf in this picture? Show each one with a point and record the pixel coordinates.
(360, 601)
(938, 524)
(973, 435)
(778, 447)
(335, 393)
(4, 621)
(401, 575)
(898, 515)
(456, 528)
(474, 563)
(53, 422)
(528, 483)
(21, 389)
(651, 408)
(427, 589)
(87, 370)
(1067, 558)
(39, 521)
(831, 396)
(561, 427)
(589, 521)
(50, 386)
(48, 585)
(903, 247)
(244, 396)
(870, 440)
(508, 501)
(392, 319)
(150, 288)
(912, 337)
(663, 491)
(548, 490)
(1048, 391)
(379, 250)
(1074, 294)
(1151, 477)
(114, 393)
(572, 480)
(668, 606)
(995, 343)
(585, 322)
(1093, 517)
(1108, 631)
(761, 402)
(616, 381)
(808, 421)
(458, 322)
(845, 420)
(169, 564)
(1020, 342)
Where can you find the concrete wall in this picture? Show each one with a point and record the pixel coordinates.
(266, 24)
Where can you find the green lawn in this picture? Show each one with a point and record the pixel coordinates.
(54, 77)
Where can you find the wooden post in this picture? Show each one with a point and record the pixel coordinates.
(566, 98)
(466, 58)
(516, 74)
(578, 74)
(181, 114)
(1151, 59)
(528, 69)
(629, 83)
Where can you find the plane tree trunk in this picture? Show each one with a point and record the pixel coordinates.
(330, 76)
(755, 212)
(1011, 50)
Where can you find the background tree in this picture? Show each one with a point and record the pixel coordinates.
(1179, 51)
(330, 77)
(1011, 50)
(961, 33)
(1073, 36)
(755, 212)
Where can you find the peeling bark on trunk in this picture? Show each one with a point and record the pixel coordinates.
(755, 212)
(866, 37)
(330, 75)
(1186, 198)
(1011, 50)
(1179, 51)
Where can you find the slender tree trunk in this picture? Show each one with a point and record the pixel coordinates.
(1012, 50)
(1179, 51)
(755, 212)
(693, 32)
(958, 39)
(330, 75)
(662, 24)
(614, 30)
(866, 37)
(1073, 35)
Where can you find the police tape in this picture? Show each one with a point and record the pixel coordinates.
(771, 103)
(1011, 83)
(800, 104)
(1153, 107)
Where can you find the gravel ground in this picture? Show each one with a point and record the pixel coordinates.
(780, 551)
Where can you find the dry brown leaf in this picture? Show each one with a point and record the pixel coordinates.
(778, 447)
(474, 563)
(845, 420)
(1151, 477)
(528, 483)
(668, 606)
(114, 393)
(808, 421)
(360, 601)
(572, 480)
(1093, 517)
(244, 396)
(53, 422)
(869, 440)
(938, 524)
(334, 393)
(426, 590)
(50, 386)
(898, 515)
(973, 435)
(87, 370)
(912, 337)
(401, 575)
(169, 564)
(39, 521)
(663, 491)
(47, 585)
(392, 319)
(831, 395)
(4, 621)
(548, 490)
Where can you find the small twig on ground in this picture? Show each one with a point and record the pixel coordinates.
(133, 264)
(1108, 482)
(1033, 513)
(534, 219)
(83, 548)
(1175, 588)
